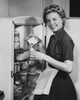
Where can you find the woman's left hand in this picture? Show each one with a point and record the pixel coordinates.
(37, 55)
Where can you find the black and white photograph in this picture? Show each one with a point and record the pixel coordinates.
(39, 50)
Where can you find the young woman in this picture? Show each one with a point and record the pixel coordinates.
(59, 55)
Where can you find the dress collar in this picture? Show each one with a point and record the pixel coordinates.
(57, 33)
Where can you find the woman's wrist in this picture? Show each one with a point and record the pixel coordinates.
(46, 57)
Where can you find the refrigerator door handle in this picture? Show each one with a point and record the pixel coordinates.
(12, 74)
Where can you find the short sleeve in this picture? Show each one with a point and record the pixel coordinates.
(67, 47)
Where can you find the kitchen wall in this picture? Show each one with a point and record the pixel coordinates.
(65, 4)
(14, 8)
(25, 8)
(4, 8)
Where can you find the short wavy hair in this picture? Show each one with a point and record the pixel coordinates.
(54, 8)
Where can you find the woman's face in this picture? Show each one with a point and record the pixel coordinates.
(54, 21)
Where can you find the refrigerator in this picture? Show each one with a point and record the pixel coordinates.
(6, 57)
(10, 28)
(14, 72)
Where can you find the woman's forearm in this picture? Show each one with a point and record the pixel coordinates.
(64, 66)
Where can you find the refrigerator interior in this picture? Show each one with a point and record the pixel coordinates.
(28, 33)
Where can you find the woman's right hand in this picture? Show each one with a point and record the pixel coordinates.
(37, 55)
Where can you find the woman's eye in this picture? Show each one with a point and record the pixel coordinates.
(54, 19)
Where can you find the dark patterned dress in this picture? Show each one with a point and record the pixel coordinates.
(60, 47)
